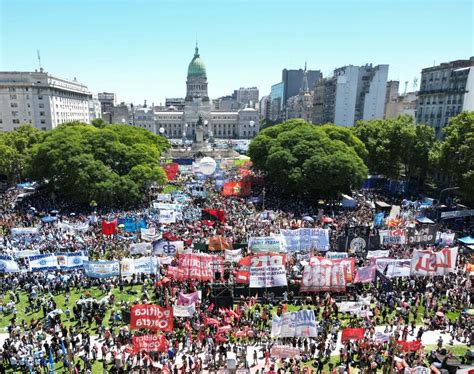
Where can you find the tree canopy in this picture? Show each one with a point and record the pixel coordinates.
(397, 146)
(303, 159)
(111, 164)
(456, 157)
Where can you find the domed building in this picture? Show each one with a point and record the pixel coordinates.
(173, 123)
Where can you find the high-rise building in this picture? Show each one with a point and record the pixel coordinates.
(95, 110)
(276, 102)
(292, 81)
(396, 104)
(353, 93)
(42, 100)
(107, 101)
(247, 97)
(265, 107)
(445, 91)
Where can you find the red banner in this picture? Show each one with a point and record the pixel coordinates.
(171, 170)
(108, 228)
(352, 334)
(150, 343)
(409, 346)
(201, 267)
(175, 273)
(152, 317)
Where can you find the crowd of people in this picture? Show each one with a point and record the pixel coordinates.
(71, 321)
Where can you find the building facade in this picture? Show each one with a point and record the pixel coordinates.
(301, 105)
(175, 123)
(41, 100)
(292, 79)
(247, 97)
(396, 104)
(353, 93)
(276, 101)
(107, 101)
(445, 91)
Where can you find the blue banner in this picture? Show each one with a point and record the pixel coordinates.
(101, 269)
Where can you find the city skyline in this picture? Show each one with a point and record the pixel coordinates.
(147, 58)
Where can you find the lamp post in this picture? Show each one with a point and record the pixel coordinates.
(251, 124)
(161, 131)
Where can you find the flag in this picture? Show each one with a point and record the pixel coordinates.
(219, 243)
(171, 170)
(213, 215)
(365, 274)
(352, 334)
(108, 228)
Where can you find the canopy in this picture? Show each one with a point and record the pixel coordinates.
(423, 219)
(467, 240)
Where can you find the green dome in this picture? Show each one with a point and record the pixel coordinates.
(196, 66)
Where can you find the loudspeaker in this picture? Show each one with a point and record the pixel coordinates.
(126, 316)
(217, 276)
(226, 274)
(223, 302)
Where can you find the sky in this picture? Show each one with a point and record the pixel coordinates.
(140, 49)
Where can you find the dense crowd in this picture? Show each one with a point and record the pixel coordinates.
(77, 320)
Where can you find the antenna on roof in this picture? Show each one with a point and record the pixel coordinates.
(39, 59)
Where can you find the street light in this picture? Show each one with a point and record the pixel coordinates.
(123, 121)
(161, 130)
(251, 124)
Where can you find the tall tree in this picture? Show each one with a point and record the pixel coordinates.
(457, 153)
(313, 161)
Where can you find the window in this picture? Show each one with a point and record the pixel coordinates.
(43, 121)
(16, 121)
(14, 113)
(40, 97)
(11, 89)
(14, 105)
(41, 105)
(12, 97)
(42, 114)
(1, 121)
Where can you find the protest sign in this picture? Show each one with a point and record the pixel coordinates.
(164, 247)
(412, 346)
(188, 299)
(323, 274)
(434, 263)
(334, 255)
(166, 216)
(388, 237)
(398, 268)
(200, 266)
(17, 231)
(426, 234)
(445, 238)
(150, 343)
(152, 317)
(295, 324)
(8, 264)
(46, 261)
(267, 270)
(149, 235)
(185, 311)
(101, 269)
(365, 274)
(130, 266)
(26, 253)
(305, 239)
(378, 254)
(163, 197)
(285, 351)
(233, 255)
(71, 260)
(265, 244)
(219, 243)
(140, 248)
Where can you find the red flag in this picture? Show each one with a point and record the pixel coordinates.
(171, 170)
(352, 334)
(108, 228)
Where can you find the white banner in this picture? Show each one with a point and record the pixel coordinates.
(163, 197)
(43, 262)
(398, 268)
(149, 235)
(25, 231)
(166, 216)
(71, 260)
(26, 253)
(233, 255)
(393, 236)
(295, 324)
(267, 271)
(445, 238)
(101, 269)
(378, 254)
(333, 255)
(130, 266)
(434, 263)
(265, 244)
(8, 264)
(140, 248)
(166, 248)
(305, 239)
(185, 311)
